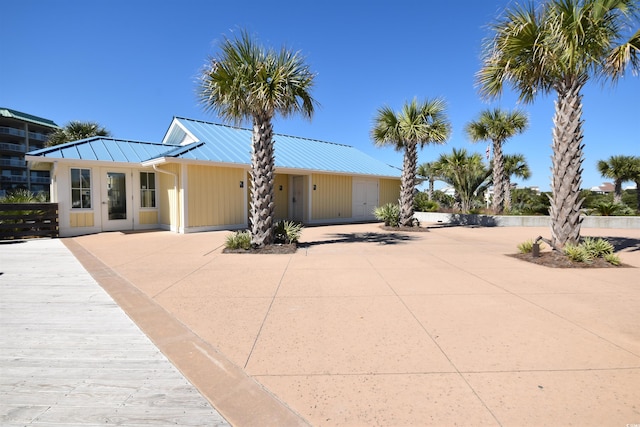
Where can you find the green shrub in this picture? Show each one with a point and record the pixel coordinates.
(421, 203)
(287, 232)
(597, 247)
(612, 259)
(577, 253)
(239, 240)
(526, 247)
(23, 196)
(606, 208)
(389, 213)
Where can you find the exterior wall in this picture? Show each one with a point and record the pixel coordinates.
(168, 197)
(81, 219)
(281, 197)
(332, 197)
(389, 191)
(214, 196)
(148, 217)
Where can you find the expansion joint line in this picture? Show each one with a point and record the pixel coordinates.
(424, 329)
(266, 315)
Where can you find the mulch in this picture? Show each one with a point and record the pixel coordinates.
(555, 259)
(269, 249)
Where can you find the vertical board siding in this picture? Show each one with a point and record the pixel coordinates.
(81, 219)
(389, 191)
(148, 217)
(281, 197)
(215, 196)
(167, 195)
(332, 198)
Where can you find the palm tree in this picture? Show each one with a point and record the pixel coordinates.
(466, 173)
(636, 179)
(416, 124)
(620, 169)
(74, 131)
(498, 126)
(427, 171)
(248, 82)
(514, 165)
(557, 48)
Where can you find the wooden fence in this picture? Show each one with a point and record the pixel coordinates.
(23, 220)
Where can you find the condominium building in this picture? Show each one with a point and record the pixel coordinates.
(19, 134)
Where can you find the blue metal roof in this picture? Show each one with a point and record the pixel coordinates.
(229, 144)
(104, 149)
(222, 144)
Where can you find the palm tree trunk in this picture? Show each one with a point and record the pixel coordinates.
(617, 192)
(507, 193)
(498, 178)
(262, 177)
(566, 169)
(408, 183)
(638, 195)
(430, 192)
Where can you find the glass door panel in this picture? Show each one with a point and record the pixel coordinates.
(117, 195)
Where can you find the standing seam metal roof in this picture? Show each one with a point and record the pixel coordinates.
(105, 149)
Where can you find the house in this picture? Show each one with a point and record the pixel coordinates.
(20, 133)
(197, 179)
(605, 188)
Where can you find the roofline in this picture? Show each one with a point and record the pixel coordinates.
(250, 130)
(19, 115)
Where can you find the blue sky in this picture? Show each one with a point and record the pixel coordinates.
(132, 65)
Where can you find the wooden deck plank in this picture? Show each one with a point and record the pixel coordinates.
(70, 356)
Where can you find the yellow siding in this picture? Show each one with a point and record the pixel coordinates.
(215, 196)
(389, 191)
(148, 217)
(332, 196)
(167, 195)
(281, 197)
(81, 219)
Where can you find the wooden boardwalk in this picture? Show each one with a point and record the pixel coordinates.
(70, 356)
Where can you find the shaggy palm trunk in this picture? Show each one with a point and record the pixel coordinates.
(430, 192)
(262, 177)
(566, 170)
(498, 178)
(507, 193)
(617, 192)
(408, 184)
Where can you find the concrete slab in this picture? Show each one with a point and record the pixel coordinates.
(366, 327)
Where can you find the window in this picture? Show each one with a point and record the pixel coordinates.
(147, 189)
(80, 188)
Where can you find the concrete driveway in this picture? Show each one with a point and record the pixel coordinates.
(365, 327)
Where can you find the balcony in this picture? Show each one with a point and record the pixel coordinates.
(14, 178)
(38, 136)
(13, 163)
(40, 180)
(11, 131)
(18, 148)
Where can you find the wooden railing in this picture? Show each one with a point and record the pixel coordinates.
(23, 220)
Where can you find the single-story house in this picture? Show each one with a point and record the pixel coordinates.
(197, 179)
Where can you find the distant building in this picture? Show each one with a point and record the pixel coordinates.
(19, 134)
(605, 188)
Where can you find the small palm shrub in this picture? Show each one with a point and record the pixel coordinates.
(239, 240)
(597, 247)
(577, 253)
(287, 232)
(591, 248)
(23, 196)
(607, 208)
(526, 247)
(389, 213)
(612, 259)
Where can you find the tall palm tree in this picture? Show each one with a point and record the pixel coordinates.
(514, 165)
(466, 173)
(74, 131)
(620, 169)
(249, 82)
(417, 124)
(497, 126)
(427, 171)
(557, 48)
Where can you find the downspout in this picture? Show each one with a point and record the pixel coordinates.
(175, 186)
